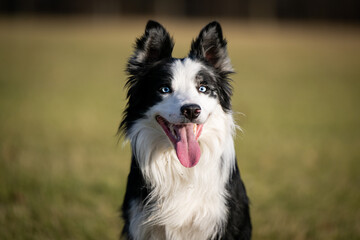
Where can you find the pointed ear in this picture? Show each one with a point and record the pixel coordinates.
(211, 47)
(156, 44)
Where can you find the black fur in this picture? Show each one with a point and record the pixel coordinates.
(136, 189)
(238, 223)
(147, 69)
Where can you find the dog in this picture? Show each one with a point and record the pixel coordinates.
(184, 182)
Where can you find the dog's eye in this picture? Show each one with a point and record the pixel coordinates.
(165, 90)
(202, 89)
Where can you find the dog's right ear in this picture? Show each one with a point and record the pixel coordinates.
(155, 45)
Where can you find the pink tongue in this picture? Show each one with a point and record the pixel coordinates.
(187, 148)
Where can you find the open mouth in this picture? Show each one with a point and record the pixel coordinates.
(184, 137)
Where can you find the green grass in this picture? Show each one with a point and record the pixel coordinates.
(63, 175)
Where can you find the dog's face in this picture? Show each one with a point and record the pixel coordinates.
(179, 95)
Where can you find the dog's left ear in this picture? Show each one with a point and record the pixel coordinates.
(211, 47)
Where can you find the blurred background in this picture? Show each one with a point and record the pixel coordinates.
(296, 95)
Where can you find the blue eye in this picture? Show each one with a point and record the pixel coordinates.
(202, 89)
(165, 90)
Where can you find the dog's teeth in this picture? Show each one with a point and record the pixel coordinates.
(195, 128)
(172, 130)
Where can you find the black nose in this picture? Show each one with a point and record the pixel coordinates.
(191, 111)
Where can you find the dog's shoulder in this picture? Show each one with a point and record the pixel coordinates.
(238, 223)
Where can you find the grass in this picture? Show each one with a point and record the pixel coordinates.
(63, 175)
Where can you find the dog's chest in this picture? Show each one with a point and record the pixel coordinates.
(192, 207)
(187, 214)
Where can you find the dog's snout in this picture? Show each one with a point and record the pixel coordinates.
(191, 111)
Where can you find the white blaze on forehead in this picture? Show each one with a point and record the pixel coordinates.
(184, 74)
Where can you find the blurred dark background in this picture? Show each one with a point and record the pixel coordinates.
(324, 10)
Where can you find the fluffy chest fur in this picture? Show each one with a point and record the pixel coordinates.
(181, 211)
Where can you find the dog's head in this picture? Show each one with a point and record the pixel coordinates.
(179, 95)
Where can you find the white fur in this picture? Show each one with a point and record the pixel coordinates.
(185, 203)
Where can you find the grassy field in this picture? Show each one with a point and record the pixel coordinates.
(63, 174)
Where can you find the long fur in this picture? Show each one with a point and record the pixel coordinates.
(165, 200)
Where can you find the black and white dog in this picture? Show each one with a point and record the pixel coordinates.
(184, 181)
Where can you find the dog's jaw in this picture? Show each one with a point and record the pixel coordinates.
(184, 137)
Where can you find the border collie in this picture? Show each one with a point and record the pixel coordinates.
(184, 181)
